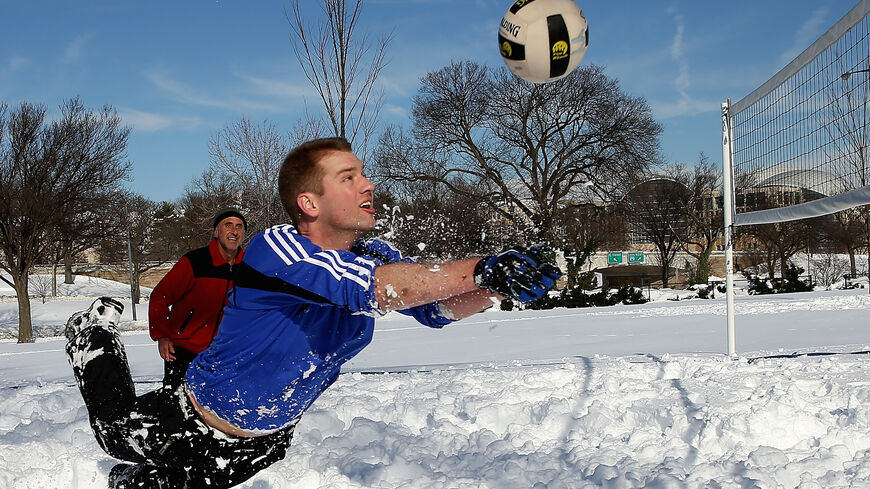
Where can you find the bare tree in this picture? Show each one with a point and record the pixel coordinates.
(343, 66)
(249, 156)
(583, 227)
(656, 210)
(782, 240)
(307, 128)
(42, 286)
(83, 229)
(211, 191)
(425, 213)
(704, 216)
(523, 149)
(153, 231)
(49, 172)
(846, 232)
(829, 269)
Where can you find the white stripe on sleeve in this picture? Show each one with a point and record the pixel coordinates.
(361, 271)
(279, 250)
(291, 237)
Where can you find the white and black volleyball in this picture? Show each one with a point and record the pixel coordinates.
(543, 40)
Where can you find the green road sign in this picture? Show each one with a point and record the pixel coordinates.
(614, 257)
(635, 257)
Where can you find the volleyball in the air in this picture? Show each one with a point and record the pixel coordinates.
(543, 40)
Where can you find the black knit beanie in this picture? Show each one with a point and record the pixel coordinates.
(228, 212)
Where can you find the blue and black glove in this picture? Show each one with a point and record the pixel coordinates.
(517, 273)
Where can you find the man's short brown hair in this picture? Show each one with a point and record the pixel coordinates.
(300, 172)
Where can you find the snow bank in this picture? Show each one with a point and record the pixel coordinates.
(532, 399)
(621, 422)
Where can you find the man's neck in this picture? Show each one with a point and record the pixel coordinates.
(328, 240)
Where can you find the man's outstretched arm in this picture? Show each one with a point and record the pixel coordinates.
(512, 273)
(470, 303)
(405, 285)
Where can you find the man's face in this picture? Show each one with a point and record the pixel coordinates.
(347, 200)
(230, 233)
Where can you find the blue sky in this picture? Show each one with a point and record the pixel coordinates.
(178, 71)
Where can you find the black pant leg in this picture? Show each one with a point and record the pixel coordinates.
(98, 359)
(160, 430)
(239, 461)
(173, 372)
(197, 456)
(99, 364)
(125, 426)
(100, 367)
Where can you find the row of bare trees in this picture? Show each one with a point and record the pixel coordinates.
(61, 194)
(59, 183)
(844, 232)
(677, 208)
(489, 159)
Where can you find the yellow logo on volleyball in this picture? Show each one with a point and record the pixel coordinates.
(506, 49)
(560, 50)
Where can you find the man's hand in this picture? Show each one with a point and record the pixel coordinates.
(166, 349)
(517, 273)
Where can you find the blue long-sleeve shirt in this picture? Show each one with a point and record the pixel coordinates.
(296, 314)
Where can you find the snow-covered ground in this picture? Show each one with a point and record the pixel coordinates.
(621, 397)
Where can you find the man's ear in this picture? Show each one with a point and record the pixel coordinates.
(307, 203)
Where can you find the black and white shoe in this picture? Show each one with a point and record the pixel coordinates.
(104, 311)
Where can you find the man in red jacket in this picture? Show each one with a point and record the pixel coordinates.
(186, 306)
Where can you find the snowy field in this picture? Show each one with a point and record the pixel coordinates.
(622, 397)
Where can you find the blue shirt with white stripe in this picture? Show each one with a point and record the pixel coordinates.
(295, 315)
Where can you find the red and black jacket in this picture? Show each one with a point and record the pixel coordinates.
(187, 304)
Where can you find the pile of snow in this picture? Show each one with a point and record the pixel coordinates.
(620, 397)
(671, 421)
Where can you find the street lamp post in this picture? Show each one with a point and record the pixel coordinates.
(846, 75)
(126, 204)
(130, 266)
(130, 255)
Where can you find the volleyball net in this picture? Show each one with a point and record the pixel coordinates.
(798, 146)
(799, 143)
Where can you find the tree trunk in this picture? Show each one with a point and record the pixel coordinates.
(852, 269)
(136, 291)
(771, 264)
(665, 265)
(54, 279)
(703, 274)
(67, 268)
(25, 324)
